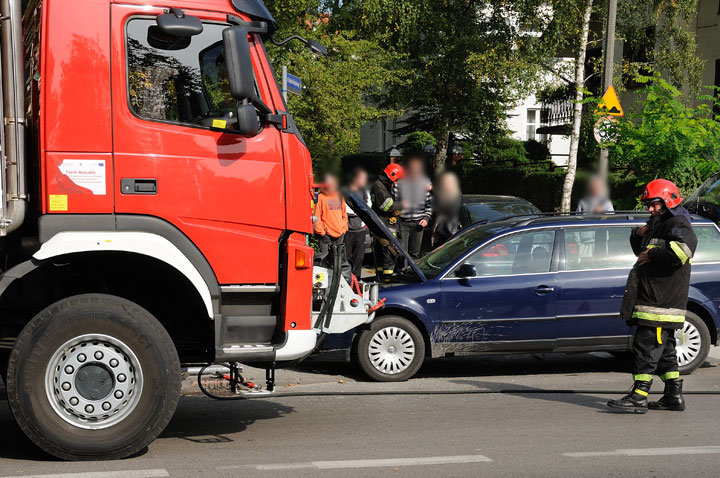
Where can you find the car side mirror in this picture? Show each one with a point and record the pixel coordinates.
(247, 120)
(466, 270)
(239, 65)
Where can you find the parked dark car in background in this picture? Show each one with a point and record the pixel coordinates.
(489, 208)
(525, 285)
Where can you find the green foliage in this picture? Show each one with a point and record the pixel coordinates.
(665, 138)
(338, 90)
(544, 188)
(668, 45)
(536, 151)
(416, 141)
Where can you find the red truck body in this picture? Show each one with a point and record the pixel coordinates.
(146, 221)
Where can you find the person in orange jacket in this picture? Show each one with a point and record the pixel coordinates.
(331, 223)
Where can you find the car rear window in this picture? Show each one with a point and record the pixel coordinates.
(500, 210)
(708, 248)
(598, 248)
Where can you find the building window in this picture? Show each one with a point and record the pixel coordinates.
(533, 123)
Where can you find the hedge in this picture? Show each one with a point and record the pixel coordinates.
(544, 188)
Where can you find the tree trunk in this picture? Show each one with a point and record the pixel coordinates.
(441, 149)
(577, 110)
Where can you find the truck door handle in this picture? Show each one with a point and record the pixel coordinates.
(138, 186)
(543, 289)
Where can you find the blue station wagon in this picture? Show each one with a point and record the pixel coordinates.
(525, 285)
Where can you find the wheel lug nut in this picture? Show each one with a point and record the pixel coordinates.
(114, 363)
(74, 401)
(118, 394)
(98, 355)
(69, 369)
(81, 358)
(121, 378)
(89, 409)
(106, 406)
(66, 386)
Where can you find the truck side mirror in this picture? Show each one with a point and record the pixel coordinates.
(247, 120)
(177, 24)
(239, 65)
(466, 270)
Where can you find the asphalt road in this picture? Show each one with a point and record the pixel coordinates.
(500, 416)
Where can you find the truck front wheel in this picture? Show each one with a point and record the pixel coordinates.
(93, 377)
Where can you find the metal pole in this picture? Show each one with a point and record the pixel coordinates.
(608, 68)
(284, 83)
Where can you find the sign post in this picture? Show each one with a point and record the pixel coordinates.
(290, 83)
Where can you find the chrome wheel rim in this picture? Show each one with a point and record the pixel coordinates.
(93, 381)
(688, 343)
(391, 350)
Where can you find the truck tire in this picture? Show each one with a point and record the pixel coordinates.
(391, 350)
(93, 377)
(693, 343)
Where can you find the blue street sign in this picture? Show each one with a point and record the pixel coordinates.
(294, 84)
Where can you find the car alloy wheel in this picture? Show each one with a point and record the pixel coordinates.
(391, 350)
(688, 343)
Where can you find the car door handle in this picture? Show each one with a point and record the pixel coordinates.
(543, 289)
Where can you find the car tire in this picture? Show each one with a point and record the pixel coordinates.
(692, 344)
(391, 350)
(115, 372)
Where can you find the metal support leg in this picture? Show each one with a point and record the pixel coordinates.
(270, 378)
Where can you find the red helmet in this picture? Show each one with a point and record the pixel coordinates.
(394, 171)
(664, 190)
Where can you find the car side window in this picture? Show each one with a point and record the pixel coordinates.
(598, 248)
(708, 247)
(179, 79)
(523, 253)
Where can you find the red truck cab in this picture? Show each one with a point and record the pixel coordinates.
(157, 216)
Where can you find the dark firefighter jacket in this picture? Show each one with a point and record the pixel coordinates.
(663, 283)
(383, 202)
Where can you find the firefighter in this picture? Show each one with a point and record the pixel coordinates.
(658, 297)
(387, 209)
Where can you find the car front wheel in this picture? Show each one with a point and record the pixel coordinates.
(391, 350)
(692, 343)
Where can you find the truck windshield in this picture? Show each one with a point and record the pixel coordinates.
(179, 80)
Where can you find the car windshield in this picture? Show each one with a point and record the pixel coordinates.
(709, 192)
(495, 211)
(436, 261)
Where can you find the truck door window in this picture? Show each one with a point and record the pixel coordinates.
(179, 80)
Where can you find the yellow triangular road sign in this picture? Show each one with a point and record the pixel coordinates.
(610, 104)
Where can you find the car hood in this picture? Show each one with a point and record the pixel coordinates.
(378, 228)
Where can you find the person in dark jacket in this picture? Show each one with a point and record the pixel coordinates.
(665, 247)
(387, 209)
(357, 231)
(413, 193)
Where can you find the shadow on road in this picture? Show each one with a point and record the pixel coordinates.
(580, 399)
(206, 421)
(486, 366)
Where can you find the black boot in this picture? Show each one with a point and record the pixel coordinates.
(635, 401)
(672, 398)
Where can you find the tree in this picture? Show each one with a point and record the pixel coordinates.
(338, 90)
(586, 8)
(665, 138)
(465, 60)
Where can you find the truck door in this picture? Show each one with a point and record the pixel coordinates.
(176, 154)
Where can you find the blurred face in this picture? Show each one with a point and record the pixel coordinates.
(597, 188)
(656, 207)
(331, 183)
(414, 168)
(360, 180)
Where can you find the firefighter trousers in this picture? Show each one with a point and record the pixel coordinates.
(654, 353)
